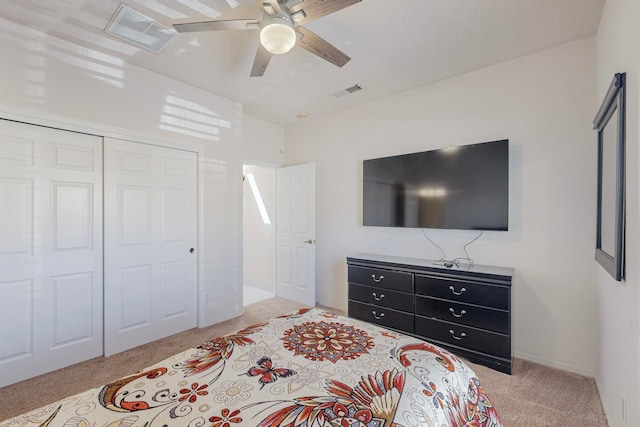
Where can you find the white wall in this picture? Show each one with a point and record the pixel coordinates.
(618, 376)
(67, 86)
(544, 103)
(259, 247)
(262, 142)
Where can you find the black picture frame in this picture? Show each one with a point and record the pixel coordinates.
(610, 227)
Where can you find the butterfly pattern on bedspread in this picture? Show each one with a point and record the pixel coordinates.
(306, 369)
(267, 372)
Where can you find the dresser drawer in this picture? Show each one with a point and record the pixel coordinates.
(491, 343)
(470, 315)
(381, 297)
(381, 278)
(382, 316)
(494, 296)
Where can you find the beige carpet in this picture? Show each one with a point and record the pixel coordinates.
(533, 396)
(537, 395)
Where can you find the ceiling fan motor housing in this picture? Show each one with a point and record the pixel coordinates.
(277, 34)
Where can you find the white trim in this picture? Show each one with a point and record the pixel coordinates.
(259, 285)
(554, 364)
(603, 400)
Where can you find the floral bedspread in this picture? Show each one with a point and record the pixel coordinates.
(308, 368)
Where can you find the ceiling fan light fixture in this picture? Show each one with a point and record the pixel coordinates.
(277, 35)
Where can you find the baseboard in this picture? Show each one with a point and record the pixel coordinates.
(257, 284)
(604, 400)
(554, 364)
(221, 319)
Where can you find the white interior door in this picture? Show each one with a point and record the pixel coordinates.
(296, 230)
(150, 241)
(50, 249)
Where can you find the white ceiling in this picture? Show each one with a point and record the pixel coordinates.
(395, 45)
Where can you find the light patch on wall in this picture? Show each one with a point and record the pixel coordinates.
(258, 198)
(189, 118)
(42, 47)
(201, 8)
(162, 9)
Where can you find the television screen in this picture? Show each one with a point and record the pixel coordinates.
(464, 188)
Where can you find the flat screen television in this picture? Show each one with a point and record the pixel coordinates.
(464, 188)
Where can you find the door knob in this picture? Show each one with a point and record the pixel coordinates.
(310, 241)
(191, 250)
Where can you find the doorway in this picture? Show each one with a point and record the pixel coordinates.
(259, 233)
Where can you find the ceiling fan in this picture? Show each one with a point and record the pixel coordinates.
(281, 28)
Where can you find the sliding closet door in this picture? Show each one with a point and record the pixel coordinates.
(50, 249)
(150, 241)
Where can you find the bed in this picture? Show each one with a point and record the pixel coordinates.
(307, 368)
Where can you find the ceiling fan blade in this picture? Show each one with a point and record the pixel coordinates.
(315, 44)
(232, 24)
(270, 7)
(309, 10)
(260, 62)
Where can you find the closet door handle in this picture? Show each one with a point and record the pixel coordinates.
(453, 334)
(378, 280)
(376, 316)
(462, 312)
(453, 290)
(376, 297)
(191, 250)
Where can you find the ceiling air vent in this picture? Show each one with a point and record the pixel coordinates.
(347, 91)
(136, 28)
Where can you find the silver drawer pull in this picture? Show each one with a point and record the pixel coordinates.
(462, 313)
(378, 280)
(453, 334)
(453, 290)
(376, 297)
(376, 316)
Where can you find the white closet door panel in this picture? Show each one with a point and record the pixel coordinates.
(135, 296)
(173, 212)
(72, 157)
(151, 225)
(16, 310)
(134, 215)
(16, 208)
(175, 303)
(16, 150)
(72, 314)
(72, 215)
(50, 249)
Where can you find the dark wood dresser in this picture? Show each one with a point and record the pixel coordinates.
(465, 308)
